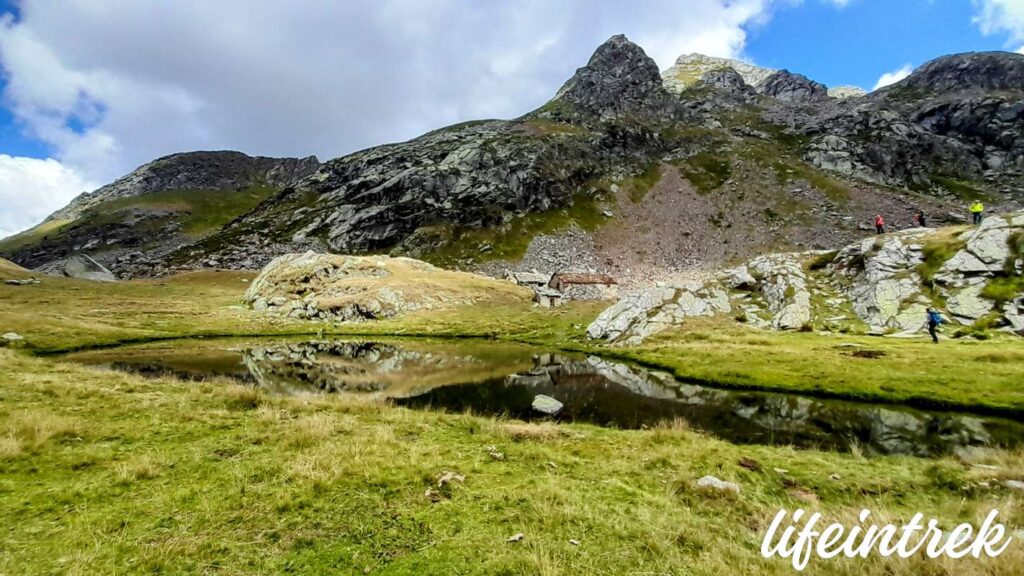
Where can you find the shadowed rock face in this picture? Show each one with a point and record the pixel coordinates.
(795, 88)
(984, 70)
(728, 80)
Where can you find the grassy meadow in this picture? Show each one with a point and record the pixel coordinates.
(104, 472)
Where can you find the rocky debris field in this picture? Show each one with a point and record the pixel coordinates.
(881, 284)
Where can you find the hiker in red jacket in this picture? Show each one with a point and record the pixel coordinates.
(879, 224)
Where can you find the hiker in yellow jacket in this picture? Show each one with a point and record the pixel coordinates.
(977, 209)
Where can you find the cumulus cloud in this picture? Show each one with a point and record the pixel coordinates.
(111, 85)
(31, 188)
(1001, 17)
(893, 77)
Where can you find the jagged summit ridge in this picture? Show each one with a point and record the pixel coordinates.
(620, 79)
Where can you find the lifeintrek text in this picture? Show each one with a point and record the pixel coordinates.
(786, 539)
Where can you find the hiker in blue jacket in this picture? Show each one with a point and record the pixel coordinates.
(934, 321)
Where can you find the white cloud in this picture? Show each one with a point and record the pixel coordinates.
(1001, 17)
(1020, 50)
(111, 85)
(839, 3)
(31, 189)
(893, 77)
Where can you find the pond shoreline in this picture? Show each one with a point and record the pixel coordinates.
(628, 355)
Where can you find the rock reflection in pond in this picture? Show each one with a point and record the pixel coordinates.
(614, 394)
(336, 366)
(521, 381)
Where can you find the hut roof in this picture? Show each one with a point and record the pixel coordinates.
(582, 278)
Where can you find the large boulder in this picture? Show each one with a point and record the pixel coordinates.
(882, 278)
(83, 267)
(987, 248)
(340, 288)
(784, 287)
(641, 314)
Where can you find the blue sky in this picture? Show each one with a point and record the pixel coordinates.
(857, 43)
(91, 89)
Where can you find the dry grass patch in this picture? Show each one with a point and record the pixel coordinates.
(145, 467)
(543, 431)
(30, 430)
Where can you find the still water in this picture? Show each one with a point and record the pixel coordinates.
(494, 378)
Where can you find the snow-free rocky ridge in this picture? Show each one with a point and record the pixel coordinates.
(623, 172)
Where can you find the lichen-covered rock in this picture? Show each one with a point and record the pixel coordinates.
(967, 304)
(987, 249)
(784, 286)
(638, 315)
(882, 275)
(353, 288)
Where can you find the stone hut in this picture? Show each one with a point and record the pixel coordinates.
(584, 286)
(547, 297)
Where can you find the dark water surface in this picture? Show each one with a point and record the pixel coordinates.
(495, 378)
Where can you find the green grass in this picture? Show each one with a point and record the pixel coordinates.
(913, 372)
(202, 211)
(104, 473)
(1003, 289)
(32, 236)
(639, 185)
(546, 126)
(962, 189)
(462, 245)
(707, 171)
(65, 314)
(938, 248)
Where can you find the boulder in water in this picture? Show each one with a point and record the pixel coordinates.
(547, 405)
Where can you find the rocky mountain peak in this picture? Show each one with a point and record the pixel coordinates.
(984, 70)
(690, 69)
(796, 88)
(843, 92)
(620, 79)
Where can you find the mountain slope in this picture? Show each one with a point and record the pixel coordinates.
(170, 201)
(617, 173)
